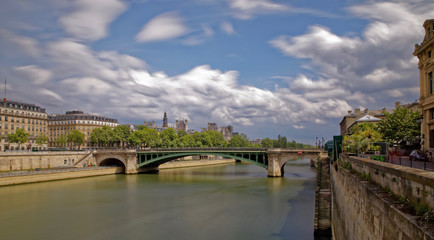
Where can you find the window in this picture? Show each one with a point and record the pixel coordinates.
(429, 54)
(430, 83)
(431, 138)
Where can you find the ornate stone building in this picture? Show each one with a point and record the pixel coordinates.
(18, 115)
(63, 124)
(424, 53)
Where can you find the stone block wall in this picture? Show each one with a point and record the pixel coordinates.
(32, 160)
(363, 209)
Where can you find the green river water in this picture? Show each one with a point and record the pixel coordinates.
(234, 201)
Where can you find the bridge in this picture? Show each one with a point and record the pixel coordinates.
(135, 161)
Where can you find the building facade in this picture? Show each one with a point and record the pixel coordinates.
(18, 115)
(424, 53)
(62, 124)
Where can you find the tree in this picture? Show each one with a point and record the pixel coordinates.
(169, 138)
(20, 136)
(146, 137)
(267, 143)
(181, 133)
(240, 140)
(189, 141)
(62, 139)
(361, 139)
(213, 139)
(400, 126)
(76, 138)
(102, 136)
(121, 134)
(41, 139)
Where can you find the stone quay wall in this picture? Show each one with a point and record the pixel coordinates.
(59, 174)
(363, 206)
(322, 220)
(31, 160)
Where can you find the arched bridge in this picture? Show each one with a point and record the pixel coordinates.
(273, 160)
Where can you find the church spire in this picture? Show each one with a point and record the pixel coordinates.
(165, 123)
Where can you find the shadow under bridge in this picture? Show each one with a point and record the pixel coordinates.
(156, 157)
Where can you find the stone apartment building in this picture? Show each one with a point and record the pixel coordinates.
(63, 124)
(18, 115)
(424, 53)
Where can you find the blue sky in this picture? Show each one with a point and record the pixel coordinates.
(266, 67)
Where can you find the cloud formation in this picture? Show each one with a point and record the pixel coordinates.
(246, 9)
(90, 19)
(378, 61)
(163, 27)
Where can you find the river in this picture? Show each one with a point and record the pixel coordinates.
(234, 201)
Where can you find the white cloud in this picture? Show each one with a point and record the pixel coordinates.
(246, 9)
(11, 41)
(369, 68)
(34, 73)
(163, 27)
(227, 28)
(90, 19)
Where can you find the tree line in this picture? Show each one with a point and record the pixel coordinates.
(121, 136)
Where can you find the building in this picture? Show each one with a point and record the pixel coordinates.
(227, 132)
(18, 115)
(181, 125)
(364, 119)
(424, 53)
(211, 127)
(63, 124)
(353, 115)
(165, 121)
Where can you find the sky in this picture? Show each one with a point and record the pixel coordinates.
(266, 67)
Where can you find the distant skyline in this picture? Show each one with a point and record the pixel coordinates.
(266, 67)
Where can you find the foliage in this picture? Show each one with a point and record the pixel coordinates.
(213, 139)
(76, 138)
(145, 137)
(169, 138)
(102, 136)
(41, 139)
(240, 140)
(20, 136)
(121, 134)
(267, 143)
(181, 133)
(400, 126)
(61, 139)
(361, 139)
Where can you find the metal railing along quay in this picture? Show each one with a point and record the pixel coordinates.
(406, 161)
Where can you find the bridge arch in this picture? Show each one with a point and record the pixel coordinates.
(112, 162)
(154, 159)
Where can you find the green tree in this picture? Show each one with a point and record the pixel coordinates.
(20, 136)
(401, 125)
(189, 141)
(213, 139)
(267, 143)
(62, 139)
(76, 138)
(181, 133)
(240, 140)
(169, 138)
(102, 136)
(41, 139)
(146, 137)
(361, 139)
(121, 134)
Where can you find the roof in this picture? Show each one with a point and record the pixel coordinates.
(368, 118)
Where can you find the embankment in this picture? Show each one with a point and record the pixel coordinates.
(51, 175)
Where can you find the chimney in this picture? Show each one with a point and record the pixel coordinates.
(357, 111)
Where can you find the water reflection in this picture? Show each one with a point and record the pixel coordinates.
(235, 201)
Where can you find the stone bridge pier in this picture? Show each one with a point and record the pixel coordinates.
(128, 158)
(277, 158)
